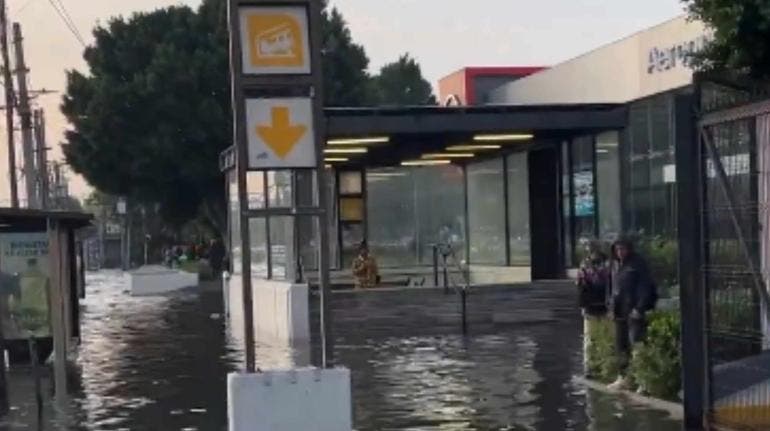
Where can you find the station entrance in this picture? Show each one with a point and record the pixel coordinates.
(513, 190)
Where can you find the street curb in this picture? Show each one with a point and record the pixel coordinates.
(674, 409)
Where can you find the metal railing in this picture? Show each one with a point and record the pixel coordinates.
(445, 261)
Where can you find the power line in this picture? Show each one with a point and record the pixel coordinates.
(24, 6)
(69, 25)
(69, 18)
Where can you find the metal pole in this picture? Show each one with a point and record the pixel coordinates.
(42, 157)
(691, 261)
(241, 165)
(435, 265)
(316, 38)
(464, 299)
(10, 104)
(446, 275)
(30, 175)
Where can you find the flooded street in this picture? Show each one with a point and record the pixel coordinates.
(161, 364)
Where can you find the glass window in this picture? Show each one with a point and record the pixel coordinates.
(351, 183)
(486, 212)
(608, 184)
(235, 225)
(566, 190)
(518, 209)
(584, 199)
(332, 218)
(640, 132)
(660, 123)
(305, 188)
(282, 247)
(352, 235)
(440, 209)
(279, 190)
(392, 224)
(255, 186)
(308, 246)
(258, 242)
(352, 209)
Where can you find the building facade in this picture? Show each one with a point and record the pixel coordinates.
(473, 85)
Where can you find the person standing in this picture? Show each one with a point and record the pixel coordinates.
(593, 285)
(216, 256)
(633, 295)
(365, 269)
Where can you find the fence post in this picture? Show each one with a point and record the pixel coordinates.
(691, 284)
(435, 265)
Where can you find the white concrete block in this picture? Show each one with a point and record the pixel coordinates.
(281, 310)
(159, 280)
(305, 399)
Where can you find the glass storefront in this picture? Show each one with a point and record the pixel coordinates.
(518, 209)
(650, 177)
(410, 209)
(486, 212)
(608, 185)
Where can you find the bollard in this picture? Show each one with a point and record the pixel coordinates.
(463, 298)
(435, 265)
(446, 275)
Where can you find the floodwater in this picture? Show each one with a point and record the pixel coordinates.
(161, 364)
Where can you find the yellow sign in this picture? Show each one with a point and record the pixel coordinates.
(275, 40)
(281, 136)
(281, 133)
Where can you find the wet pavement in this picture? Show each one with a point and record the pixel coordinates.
(161, 364)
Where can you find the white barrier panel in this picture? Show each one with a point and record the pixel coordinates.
(159, 280)
(281, 310)
(307, 399)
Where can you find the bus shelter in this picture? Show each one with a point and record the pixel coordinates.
(41, 284)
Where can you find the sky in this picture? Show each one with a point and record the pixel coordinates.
(443, 35)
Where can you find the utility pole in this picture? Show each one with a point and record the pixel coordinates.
(10, 103)
(42, 158)
(30, 177)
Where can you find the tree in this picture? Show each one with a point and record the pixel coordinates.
(346, 82)
(741, 35)
(401, 83)
(152, 116)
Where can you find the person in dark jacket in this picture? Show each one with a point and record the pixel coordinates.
(633, 295)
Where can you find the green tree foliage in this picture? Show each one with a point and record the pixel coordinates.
(401, 83)
(741, 35)
(152, 116)
(346, 81)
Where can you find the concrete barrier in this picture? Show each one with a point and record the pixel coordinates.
(305, 399)
(159, 280)
(281, 310)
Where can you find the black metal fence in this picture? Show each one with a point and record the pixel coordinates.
(733, 156)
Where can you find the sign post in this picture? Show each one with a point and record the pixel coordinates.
(275, 55)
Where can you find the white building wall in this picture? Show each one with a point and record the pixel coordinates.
(646, 63)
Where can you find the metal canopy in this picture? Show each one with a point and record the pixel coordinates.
(419, 130)
(14, 219)
(345, 122)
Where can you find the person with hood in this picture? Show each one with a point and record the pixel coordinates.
(633, 295)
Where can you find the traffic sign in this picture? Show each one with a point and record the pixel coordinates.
(275, 40)
(280, 133)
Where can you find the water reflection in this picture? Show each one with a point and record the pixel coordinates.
(161, 364)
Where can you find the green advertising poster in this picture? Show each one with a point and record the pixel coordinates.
(24, 285)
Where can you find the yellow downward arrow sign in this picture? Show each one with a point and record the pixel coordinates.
(281, 136)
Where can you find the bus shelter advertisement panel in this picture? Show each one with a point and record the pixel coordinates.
(24, 285)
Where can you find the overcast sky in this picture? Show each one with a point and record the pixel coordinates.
(444, 35)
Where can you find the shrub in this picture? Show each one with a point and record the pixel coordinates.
(656, 365)
(603, 364)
